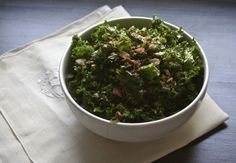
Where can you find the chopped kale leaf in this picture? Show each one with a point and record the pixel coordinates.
(136, 74)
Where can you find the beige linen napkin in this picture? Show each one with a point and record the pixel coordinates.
(36, 124)
(9, 145)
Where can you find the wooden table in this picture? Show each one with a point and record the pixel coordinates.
(212, 22)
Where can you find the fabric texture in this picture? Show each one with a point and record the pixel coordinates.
(36, 125)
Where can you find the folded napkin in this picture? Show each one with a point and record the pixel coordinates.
(36, 124)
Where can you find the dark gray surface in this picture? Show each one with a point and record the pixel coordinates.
(213, 23)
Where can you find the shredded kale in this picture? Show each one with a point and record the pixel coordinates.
(136, 74)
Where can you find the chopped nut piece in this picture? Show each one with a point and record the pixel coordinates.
(167, 72)
(119, 115)
(137, 36)
(148, 38)
(152, 46)
(159, 54)
(96, 95)
(169, 80)
(155, 61)
(70, 76)
(124, 55)
(80, 61)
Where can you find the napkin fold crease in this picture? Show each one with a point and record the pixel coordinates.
(42, 128)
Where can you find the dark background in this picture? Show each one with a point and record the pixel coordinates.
(211, 22)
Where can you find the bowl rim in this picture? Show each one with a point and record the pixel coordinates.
(197, 98)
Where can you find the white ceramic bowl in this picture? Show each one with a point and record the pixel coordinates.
(131, 132)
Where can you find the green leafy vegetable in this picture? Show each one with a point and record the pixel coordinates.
(135, 74)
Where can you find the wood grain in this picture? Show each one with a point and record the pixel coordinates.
(211, 22)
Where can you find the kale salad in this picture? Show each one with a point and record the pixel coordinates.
(134, 75)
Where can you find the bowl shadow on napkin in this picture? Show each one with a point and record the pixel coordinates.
(104, 150)
(188, 152)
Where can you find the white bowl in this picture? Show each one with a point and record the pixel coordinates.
(131, 132)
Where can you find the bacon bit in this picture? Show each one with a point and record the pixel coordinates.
(152, 46)
(117, 91)
(136, 63)
(164, 77)
(119, 116)
(129, 60)
(139, 50)
(173, 84)
(127, 57)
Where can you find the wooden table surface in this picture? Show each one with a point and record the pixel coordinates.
(211, 22)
